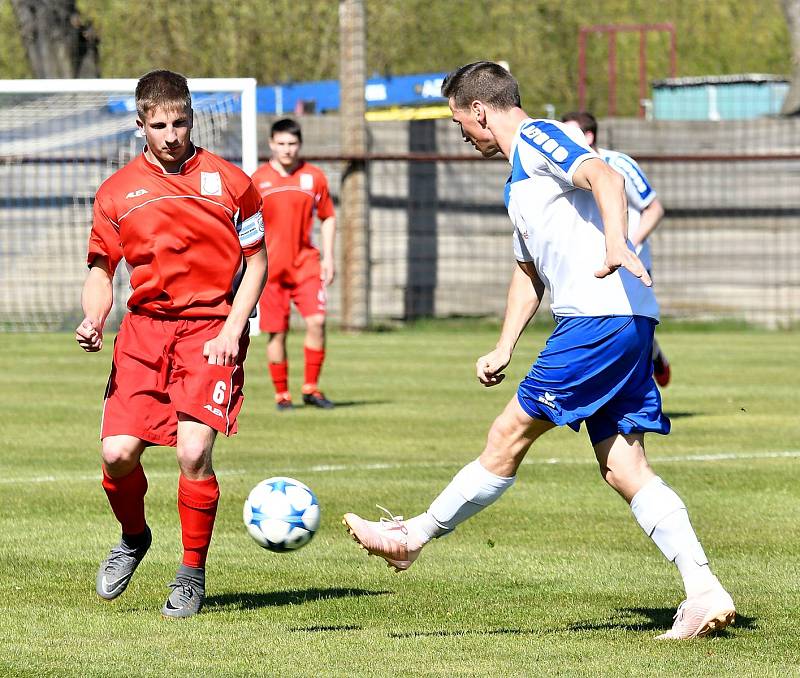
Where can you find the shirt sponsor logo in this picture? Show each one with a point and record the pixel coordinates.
(136, 193)
(546, 143)
(210, 183)
(629, 170)
(307, 182)
(265, 184)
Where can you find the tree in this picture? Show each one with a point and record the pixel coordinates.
(791, 104)
(59, 42)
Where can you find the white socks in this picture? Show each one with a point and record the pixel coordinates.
(472, 489)
(664, 518)
(657, 508)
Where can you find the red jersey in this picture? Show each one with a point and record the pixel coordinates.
(184, 236)
(289, 205)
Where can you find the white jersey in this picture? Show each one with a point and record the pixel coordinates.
(640, 195)
(558, 227)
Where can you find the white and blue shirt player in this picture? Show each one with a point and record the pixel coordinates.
(640, 195)
(558, 227)
(597, 365)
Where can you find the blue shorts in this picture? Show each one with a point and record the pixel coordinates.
(598, 370)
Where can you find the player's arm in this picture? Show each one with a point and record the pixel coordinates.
(524, 296)
(97, 298)
(608, 188)
(224, 349)
(650, 219)
(328, 264)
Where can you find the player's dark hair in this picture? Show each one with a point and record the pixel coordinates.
(483, 81)
(286, 125)
(586, 121)
(164, 89)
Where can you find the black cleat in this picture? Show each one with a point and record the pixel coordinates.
(283, 402)
(317, 399)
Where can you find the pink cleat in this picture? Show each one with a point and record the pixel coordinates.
(702, 614)
(387, 538)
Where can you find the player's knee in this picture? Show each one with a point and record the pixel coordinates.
(276, 340)
(194, 455)
(623, 477)
(119, 456)
(607, 475)
(315, 325)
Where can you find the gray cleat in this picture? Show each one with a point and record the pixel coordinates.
(187, 595)
(116, 571)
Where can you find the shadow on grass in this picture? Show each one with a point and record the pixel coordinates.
(252, 601)
(624, 619)
(681, 415)
(317, 629)
(464, 632)
(337, 404)
(656, 619)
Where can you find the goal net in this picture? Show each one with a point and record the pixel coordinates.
(59, 140)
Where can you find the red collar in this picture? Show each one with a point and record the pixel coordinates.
(300, 166)
(186, 166)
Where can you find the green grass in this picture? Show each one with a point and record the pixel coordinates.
(556, 579)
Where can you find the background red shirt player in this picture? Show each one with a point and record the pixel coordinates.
(292, 191)
(189, 227)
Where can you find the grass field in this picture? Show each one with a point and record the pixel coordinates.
(554, 580)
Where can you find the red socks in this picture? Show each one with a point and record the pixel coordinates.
(314, 360)
(280, 371)
(126, 496)
(197, 508)
(280, 376)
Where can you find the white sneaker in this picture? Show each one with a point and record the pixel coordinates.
(702, 614)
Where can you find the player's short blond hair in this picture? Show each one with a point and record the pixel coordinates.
(164, 89)
(483, 81)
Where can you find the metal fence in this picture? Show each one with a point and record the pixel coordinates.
(439, 239)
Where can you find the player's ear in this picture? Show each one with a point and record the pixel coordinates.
(477, 110)
(191, 118)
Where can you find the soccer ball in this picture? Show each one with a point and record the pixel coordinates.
(281, 514)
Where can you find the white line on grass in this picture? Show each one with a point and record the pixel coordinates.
(334, 468)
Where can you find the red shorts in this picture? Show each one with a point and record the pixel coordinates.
(308, 296)
(159, 370)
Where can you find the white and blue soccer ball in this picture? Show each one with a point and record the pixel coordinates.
(281, 514)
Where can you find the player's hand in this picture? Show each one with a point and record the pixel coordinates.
(489, 367)
(222, 350)
(89, 338)
(622, 257)
(327, 271)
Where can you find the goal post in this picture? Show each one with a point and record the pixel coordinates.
(59, 140)
(245, 87)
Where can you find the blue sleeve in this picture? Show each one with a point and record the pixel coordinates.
(553, 143)
(637, 188)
